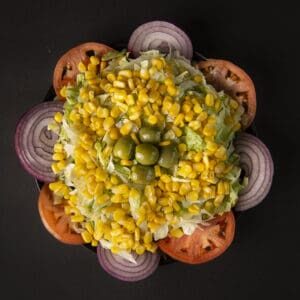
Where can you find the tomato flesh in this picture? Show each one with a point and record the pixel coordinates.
(205, 244)
(55, 220)
(66, 68)
(226, 76)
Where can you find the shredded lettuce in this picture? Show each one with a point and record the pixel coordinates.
(67, 133)
(122, 172)
(134, 203)
(113, 54)
(193, 140)
(235, 187)
(101, 157)
(68, 174)
(72, 94)
(161, 232)
(124, 254)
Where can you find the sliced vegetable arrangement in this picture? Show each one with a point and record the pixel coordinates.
(145, 155)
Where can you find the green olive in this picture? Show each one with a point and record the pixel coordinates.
(142, 174)
(124, 148)
(149, 135)
(146, 154)
(168, 156)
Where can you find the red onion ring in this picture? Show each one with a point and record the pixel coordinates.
(160, 35)
(34, 142)
(125, 270)
(256, 161)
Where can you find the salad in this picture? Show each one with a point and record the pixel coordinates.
(144, 152)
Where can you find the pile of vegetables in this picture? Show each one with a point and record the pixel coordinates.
(143, 152)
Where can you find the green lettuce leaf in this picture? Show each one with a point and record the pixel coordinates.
(113, 55)
(101, 157)
(122, 172)
(193, 140)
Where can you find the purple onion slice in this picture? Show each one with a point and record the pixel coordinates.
(34, 142)
(256, 161)
(125, 270)
(161, 36)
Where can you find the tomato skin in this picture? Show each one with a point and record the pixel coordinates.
(224, 75)
(55, 220)
(189, 249)
(65, 70)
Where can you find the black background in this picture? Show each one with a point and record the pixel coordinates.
(264, 258)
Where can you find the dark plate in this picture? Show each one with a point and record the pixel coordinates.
(164, 258)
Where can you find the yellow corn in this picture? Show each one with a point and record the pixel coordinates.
(165, 143)
(165, 178)
(198, 78)
(81, 67)
(209, 100)
(177, 233)
(194, 209)
(77, 219)
(152, 119)
(157, 171)
(119, 84)
(111, 77)
(58, 117)
(86, 236)
(126, 128)
(126, 73)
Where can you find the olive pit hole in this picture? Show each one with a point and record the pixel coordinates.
(90, 53)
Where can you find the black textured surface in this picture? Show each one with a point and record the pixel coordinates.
(264, 259)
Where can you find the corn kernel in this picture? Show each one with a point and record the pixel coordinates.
(134, 138)
(114, 133)
(77, 219)
(58, 156)
(108, 123)
(209, 100)
(209, 130)
(157, 63)
(177, 233)
(58, 148)
(165, 178)
(140, 250)
(177, 131)
(198, 78)
(221, 153)
(119, 84)
(194, 209)
(199, 167)
(184, 188)
(58, 117)
(172, 90)
(111, 77)
(126, 128)
(126, 162)
(126, 73)
(86, 236)
(157, 171)
(115, 112)
(233, 104)
(144, 73)
(81, 67)
(203, 116)
(147, 237)
(192, 196)
(165, 143)
(182, 147)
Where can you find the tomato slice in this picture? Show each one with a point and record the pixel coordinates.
(66, 68)
(205, 244)
(226, 76)
(55, 220)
